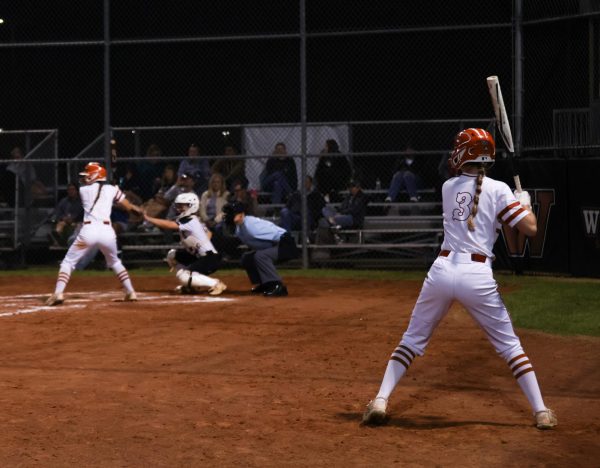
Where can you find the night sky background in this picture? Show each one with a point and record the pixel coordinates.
(400, 73)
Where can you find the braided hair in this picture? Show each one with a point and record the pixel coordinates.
(478, 183)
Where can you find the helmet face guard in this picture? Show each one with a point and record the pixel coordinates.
(472, 145)
(190, 203)
(93, 172)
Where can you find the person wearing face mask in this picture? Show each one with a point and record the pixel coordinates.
(405, 178)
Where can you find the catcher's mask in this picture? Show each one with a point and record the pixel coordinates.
(231, 209)
(93, 172)
(186, 204)
(472, 145)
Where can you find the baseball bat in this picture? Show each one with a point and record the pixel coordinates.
(503, 125)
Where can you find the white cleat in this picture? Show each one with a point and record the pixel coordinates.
(130, 297)
(375, 413)
(55, 299)
(217, 289)
(545, 419)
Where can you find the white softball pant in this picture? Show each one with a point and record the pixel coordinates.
(91, 236)
(458, 277)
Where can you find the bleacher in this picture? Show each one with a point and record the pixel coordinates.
(402, 231)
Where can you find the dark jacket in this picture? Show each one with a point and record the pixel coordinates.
(332, 173)
(314, 202)
(356, 206)
(285, 165)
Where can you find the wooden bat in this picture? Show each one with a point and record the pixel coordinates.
(503, 125)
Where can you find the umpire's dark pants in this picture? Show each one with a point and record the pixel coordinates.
(260, 264)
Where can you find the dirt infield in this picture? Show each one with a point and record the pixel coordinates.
(249, 381)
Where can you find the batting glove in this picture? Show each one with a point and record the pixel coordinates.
(523, 197)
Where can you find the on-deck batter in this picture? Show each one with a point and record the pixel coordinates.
(473, 208)
(97, 199)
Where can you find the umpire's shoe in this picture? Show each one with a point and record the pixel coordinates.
(276, 290)
(261, 288)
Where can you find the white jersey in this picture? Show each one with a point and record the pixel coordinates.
(191, 226)
(497, 204)
(97, 200)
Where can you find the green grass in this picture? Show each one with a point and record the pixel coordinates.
(565, 306)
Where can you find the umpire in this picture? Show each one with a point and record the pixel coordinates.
(269, 244)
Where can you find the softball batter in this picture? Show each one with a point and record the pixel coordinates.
(198, 258)
(473, 207)
(97, 199)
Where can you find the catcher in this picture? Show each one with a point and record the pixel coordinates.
(198, 258)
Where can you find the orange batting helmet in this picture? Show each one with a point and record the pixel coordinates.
(472, 145)
(93, 172)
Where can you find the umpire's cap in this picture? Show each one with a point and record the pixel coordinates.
(233, 208)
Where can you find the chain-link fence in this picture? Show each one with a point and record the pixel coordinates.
(366, 91)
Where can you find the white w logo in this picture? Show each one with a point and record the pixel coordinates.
(590, 218)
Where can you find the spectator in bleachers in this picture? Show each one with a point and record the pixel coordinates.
(127, 178)
(332, 172)
(213, 200)
(161, 205)
(68, 212)
(241, 193)
(168, 178)
(200, 168)
(230, 167)
(281, 177)
(291, 215)
(406, 177)
(23, 172)
(185, 184)
(350, 215)
(150, 171)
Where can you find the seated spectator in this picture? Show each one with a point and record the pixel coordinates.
(23, 172)
(405, 178)
(332, 172)
(150, 171)
(280, 177)
(350, 215)
(241, 193)
(127, 178)
(161, 205)
(185, 184)
(168, 178)
(291, 215)
(213, 200)
(119, 219)
(68, 212)
(200, 168)
(230, 167)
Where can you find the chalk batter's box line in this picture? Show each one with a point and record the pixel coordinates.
(22, 302)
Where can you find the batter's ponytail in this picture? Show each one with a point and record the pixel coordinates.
(480, 176)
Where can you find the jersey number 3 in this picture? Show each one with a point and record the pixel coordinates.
(464, 200)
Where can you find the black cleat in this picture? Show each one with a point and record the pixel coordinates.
(277, 290)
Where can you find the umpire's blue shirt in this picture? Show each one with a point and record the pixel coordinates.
(258, 234)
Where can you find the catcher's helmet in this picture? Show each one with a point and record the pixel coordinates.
(188, 203)
(93, 172)
(472, 145)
